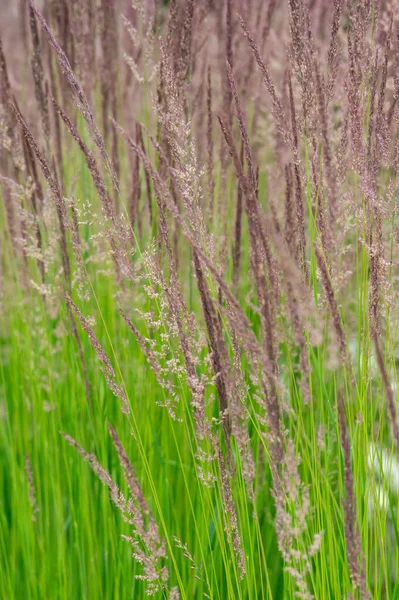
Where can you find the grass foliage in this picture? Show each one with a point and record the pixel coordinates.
(199, 288)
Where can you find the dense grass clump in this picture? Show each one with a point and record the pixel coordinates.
(199, 286)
